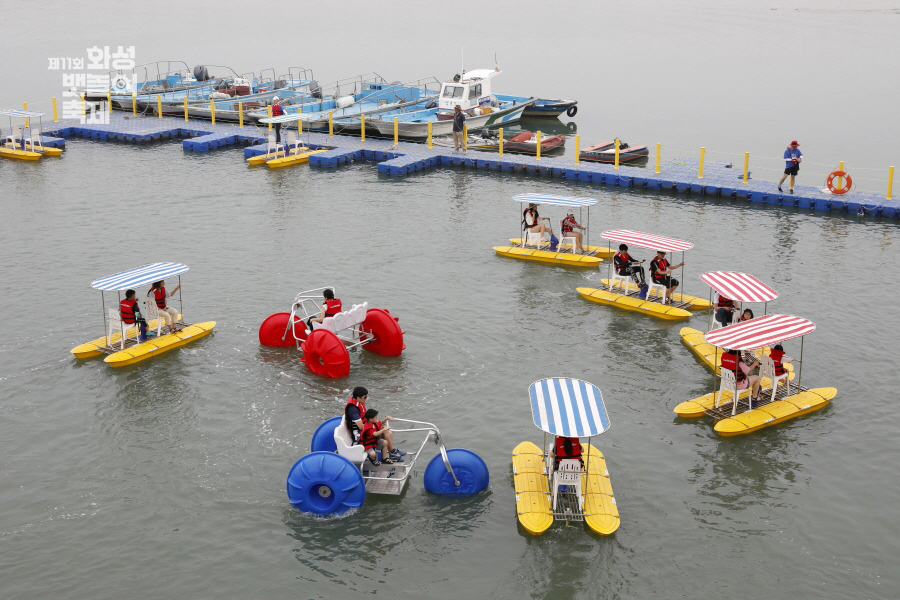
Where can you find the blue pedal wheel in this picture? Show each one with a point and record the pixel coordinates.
(323, 438)
(325, 483)
(470, 470)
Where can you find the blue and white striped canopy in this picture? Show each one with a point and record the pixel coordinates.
(568, 407)
(14, 112)
(284, 118)
(139, 276)
(555, 200)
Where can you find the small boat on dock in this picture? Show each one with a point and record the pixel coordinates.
(564, 480)
(25, 143)
(527, 143)
(606, 153)
(122, 343)
(551, 108)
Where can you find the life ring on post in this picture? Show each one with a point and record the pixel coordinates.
(273, 329)
(325, 354)
(848, 182)
(573, 110)
(388, 335)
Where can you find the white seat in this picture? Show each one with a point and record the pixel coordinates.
(355, 454)
(292, 140)
(152, 312)
(568, 473)
(117, 324)
(624, 282)
(34, 141)
(728, 384)
(358, 312)
(14, 136)
(273, 147)
(534, 239)
(566, 239)
(659, 288)
(767, 369)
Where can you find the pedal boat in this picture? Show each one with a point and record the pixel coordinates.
(622, 293)
(777, 403)
(574, 492)
(121, 343)
(24, 143)
(336, 476)
(529, 247)
(289, 153)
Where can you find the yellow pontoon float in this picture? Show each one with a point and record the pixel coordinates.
(279, 155)
(777, 403)
(121, 342)
(532, 246)
(23, 143)
(617, 289)
(571, 484)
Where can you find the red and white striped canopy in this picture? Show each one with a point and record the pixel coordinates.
(739, 286)
(647, 240)
(760, 332)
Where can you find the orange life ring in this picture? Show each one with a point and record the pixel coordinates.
(848, 182)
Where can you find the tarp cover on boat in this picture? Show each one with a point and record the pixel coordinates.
(760, 332)
(553, 200)
(646, 240)
(139, 276)
(739, 286)
(568, 407)
(12, 112)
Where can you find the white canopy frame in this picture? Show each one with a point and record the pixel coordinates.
(579, 202)
(739, 287)
(648, 241)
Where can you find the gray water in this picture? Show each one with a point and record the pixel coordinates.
(166, 479)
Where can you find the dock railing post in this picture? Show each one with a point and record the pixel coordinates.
(617, 154)
(841, 179)
(330, 124)
(27, 120)
(890, 182)
(702, 158)
(241, 114)
(396, 131)
(429, 134)
(212, 109)
(501, 141)
(133, 102)
(746, 166)
(538, 138)
(300, 120)
(55, 112)
(362, 127)
(465, 138)
(83, 106)
(109, 101)
(185, 109)
(577, 148)
(269, 110)
(658, 156)
(159, 105)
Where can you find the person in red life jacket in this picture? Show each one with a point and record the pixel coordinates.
(355, 416)
(569, 224)
(746, 315)
(778, 358)
(330, 307)
(277, 111)
(626, 265)
(734, 362)
(566, 448)
(166, 313)
(369, 439)
(724, 309)
(661, 271)
(130, 311)
(532, 221)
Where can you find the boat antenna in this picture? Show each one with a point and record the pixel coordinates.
(462, 60)
(496, 66)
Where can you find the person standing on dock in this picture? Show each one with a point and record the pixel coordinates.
(792, 159)
(459, 123)
(277, 111)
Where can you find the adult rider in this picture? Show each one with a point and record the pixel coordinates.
(625, 265)
(355, 417)
(330, 307)
(532, 221)
(661, 271)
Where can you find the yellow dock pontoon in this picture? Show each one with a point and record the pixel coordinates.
(534, 246)
(564, 481)
(122, 342)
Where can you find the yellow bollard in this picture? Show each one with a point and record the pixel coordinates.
(841, 179)
(83, 107)
(465, 138)
(890, 183)
(746, 166)
(159, 105)
(300, 121)
(108, 101)
(658, 155)
(362, 129)
(500, 131)
(55, 113)
(134, 102)
(27, 120)
(617, 154)
(185, 109)
(241, 114)
(702, 157)
(577, 148)
(429, 134)
(396, 131)
(212, 110)
(330, 124)
(269, 108)
(538, 145)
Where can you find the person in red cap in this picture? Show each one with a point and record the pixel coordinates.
(792, 159)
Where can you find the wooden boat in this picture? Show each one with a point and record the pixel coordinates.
(606, 153)
(526, 143)
(572, 490)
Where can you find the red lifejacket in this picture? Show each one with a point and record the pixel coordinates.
(127, 310)
(534, 218)
(568, 224)
(277, 110)
(367, 437)
(725, 302)
(332, 307)
(362, 414)
(561, 448)
(731, 361)
(623, 261)
(776, 356)
(160, 296)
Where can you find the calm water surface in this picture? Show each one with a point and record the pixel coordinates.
(166, 479)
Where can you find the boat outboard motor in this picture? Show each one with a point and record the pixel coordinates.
(431, 103)
(487, 134)
(221, 85)
(315, 89)
(201, 73)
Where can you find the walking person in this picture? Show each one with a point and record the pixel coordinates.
(459, 123)
(792, 159)
(277, 111)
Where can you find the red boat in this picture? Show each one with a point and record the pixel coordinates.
(606, 153)
(526, 143)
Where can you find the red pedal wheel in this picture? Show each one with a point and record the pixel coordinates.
(388, 335)
(325, 354)
(273, 329)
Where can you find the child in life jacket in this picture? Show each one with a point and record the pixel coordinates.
(566, 448)
(778, 357)
(369, 438)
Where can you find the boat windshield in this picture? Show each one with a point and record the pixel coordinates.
(453, 91)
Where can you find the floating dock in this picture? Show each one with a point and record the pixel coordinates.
(399, 160)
